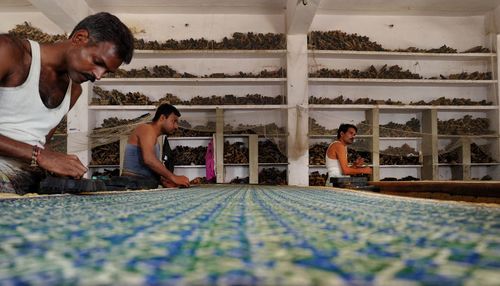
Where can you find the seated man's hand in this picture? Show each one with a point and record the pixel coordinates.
(61, 164)
(366, 170)
(359, 162)
(177, 181)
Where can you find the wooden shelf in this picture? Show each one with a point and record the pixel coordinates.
(103, 166)
(335, 136)
(487, 136)
(369, 55)
(190, 107)
(401, 82)
(400, 138)
(472, 164)
(141, 54)
(401, 107)
(189, 166)
(190, 138)
(190, 81)
(400, 166)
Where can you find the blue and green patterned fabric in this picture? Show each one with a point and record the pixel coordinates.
(247, 235)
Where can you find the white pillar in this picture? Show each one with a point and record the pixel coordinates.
(297, 98)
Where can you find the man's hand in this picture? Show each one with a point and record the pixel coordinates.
(177, 181)
(359, 162)
(61, 164)
(181, 181)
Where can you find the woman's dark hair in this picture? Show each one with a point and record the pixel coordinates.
(344, 127)
(105, 27)
(165, 109)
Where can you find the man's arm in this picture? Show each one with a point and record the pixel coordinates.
(61, 164)
(147, 144)
(344, 165)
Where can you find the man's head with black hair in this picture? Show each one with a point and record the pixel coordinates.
(105, 27)
(344, 127)
(168, 116)
(166, 109)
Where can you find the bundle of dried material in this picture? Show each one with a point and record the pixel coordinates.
(108, 154)
(404, 155)
(410, 129)
(238, 41)
(115, 97)
(338, 40)
(317, 179)
(272, 176)
(453, 101)
(464, 126)
(317, 153)
(392, 72)
(185, 155)
(27, 31)
(235, 153)
(269, 152)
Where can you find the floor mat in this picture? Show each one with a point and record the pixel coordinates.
(247, 235)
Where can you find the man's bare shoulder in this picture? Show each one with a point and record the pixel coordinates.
(144, 129)
(12, 53)
(11, 47)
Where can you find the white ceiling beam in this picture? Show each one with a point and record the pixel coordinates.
(64, 13)
(299, 15)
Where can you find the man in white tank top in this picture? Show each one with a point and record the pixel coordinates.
(336, 154)
(38, 86)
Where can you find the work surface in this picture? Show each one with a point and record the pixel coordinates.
(250, 235)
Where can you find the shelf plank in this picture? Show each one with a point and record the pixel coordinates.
(472, 164)
(103, 166)
(358, 136)
(141, 54)
(311, 106)
(400, 82)
(260, 135)
(190, 138)
(189, 166)
(191, 107)
(400, 55)
(488, 136)
(402, 107)
(273, 164)
(400, 166)
(400, 138)
(189, 81)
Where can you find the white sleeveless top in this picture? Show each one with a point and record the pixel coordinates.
(333, 165)
(23, 116)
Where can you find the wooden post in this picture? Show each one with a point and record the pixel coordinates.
(429, 145)
(466, 158)
(219, 144)
(123, 145)
(373, 117)
(253, 154)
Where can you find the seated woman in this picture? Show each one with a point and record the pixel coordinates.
(336, 155)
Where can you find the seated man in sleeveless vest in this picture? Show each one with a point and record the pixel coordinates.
(336, 155)
(142, 152)
(39, 84)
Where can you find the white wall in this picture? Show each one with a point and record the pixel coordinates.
(409, 31)
(10, 20)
